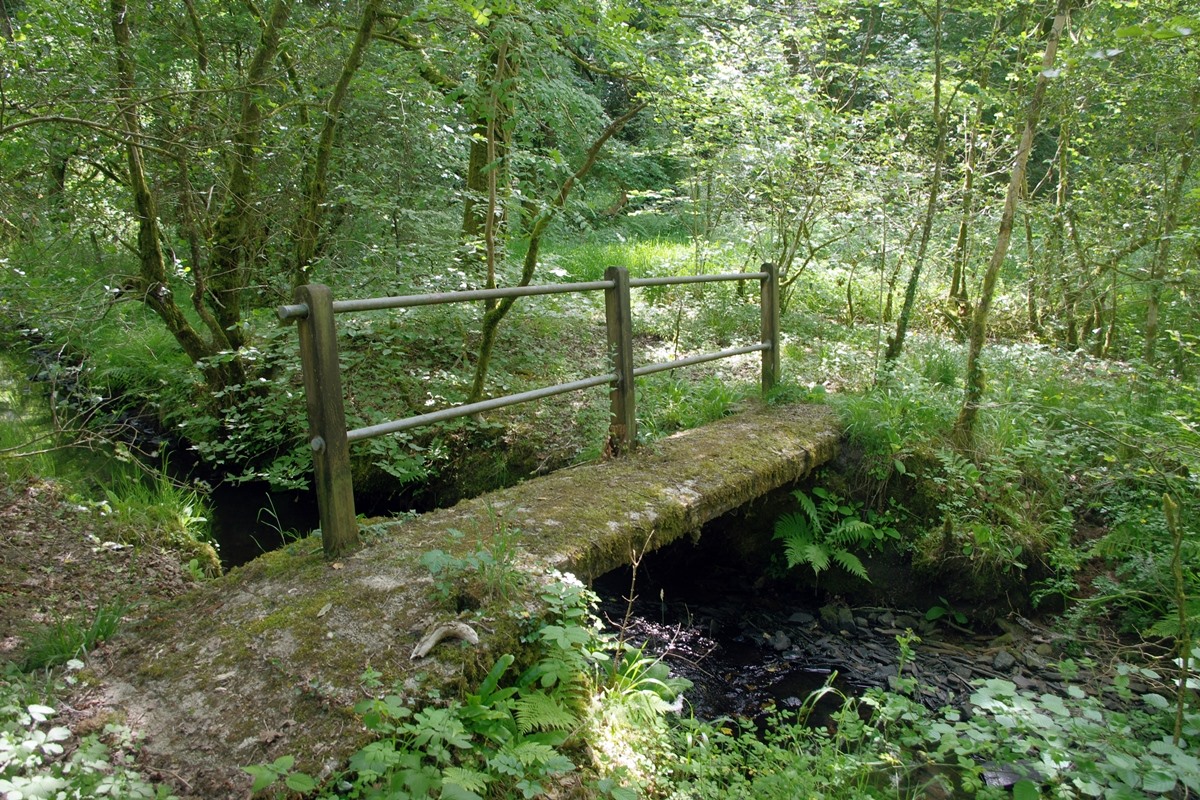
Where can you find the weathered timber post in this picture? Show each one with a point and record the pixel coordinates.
(623, 423)
(326, 420)
(770, 327)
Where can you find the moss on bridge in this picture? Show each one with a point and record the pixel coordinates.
(268, 660)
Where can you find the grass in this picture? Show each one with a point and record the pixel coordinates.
(25, 434)
(55, 645)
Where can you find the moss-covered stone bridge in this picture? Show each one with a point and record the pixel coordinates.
(268, 660)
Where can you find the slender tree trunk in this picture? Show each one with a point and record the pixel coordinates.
(896, 342)
(152, 284)
(317, 188)
(538, 222)
(487, 160)
(1170, 220)
(958, 278)
(958, 294)
(964, 426)
(238, 226)
(1031, 286)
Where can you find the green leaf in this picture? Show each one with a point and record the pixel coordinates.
(851, 563)
(1025, 789)
(816, 556)
(263, 776)
(300, 782)
(466, 779)
(488, 687)
(1158, 781)
(452, 791)
(1156, 701)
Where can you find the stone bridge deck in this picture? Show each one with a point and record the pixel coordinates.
(267, 660)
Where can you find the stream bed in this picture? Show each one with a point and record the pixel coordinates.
(750, 651)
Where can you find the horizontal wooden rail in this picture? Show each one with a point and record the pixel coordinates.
(314, 309)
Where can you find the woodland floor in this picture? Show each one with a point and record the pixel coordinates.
(56, 563)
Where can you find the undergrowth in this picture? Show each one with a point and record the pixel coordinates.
(42, 759)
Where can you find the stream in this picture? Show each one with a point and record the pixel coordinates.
(750, 650)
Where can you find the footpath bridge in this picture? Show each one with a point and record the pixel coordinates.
(268, 660)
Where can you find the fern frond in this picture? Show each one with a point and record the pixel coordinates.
(817, 556)
(851, 563)
(470, 780)
(852, 532)
(537, 711)
(810, 510)
(795, 548)
(793, 525)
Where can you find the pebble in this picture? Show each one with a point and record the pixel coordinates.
(1004, 660)
(780, 641)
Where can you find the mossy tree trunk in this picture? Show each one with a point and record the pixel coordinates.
(151, 285)
(317, 187)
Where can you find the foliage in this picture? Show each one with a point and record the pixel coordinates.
(944, 609)
(54, 645)
(888, 745)
(154, 510)
(504, 739)
(827, 529)
(41, 759)
(627, 726)
(674, 403)
(486, 576)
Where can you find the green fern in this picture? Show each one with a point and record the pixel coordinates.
(824, 533)
(537, 711)
(472, 782)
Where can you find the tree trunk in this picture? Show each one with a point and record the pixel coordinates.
(316, 188)
(1032, 314)
(1170, 220)
(235, 231)
(896, 342)
(964, 426)
(538, 222)
(152, 284)
(487, 161)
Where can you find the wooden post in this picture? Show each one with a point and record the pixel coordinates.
(770, 327)
(327, 421)
(623, 423)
